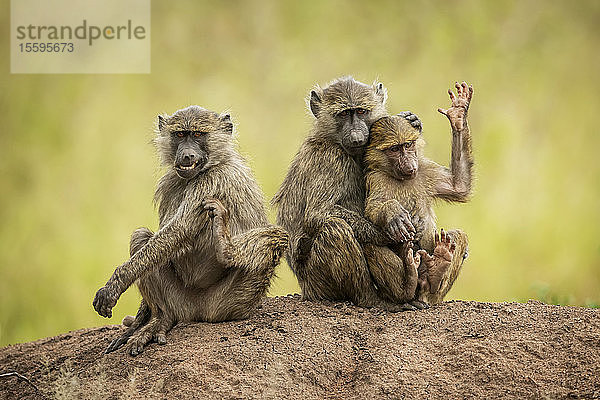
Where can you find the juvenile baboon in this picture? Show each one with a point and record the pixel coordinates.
(400, 179)
(321, 200)
(214, 254)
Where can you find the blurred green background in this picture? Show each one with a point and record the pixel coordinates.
(77, 172)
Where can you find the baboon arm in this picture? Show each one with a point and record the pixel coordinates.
(324, 205)
(258, 247)
(364, 230)
(327, 188)
(159, 249)
(454, 183)
(381, 205)
(383, 208)
(324, 192)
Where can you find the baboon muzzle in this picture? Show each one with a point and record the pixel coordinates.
(357, 139)
(188, 158)
(189, 162)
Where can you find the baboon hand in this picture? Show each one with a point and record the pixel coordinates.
(412, 119)
(457, 113)
(106, 298)
(220, 217)
(399, 228)
(215, 208)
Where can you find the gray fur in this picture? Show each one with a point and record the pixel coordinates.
(180, 270)
(321, 201)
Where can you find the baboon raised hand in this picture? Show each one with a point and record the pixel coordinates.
(321, 200)
(214, 254)
(400, 180)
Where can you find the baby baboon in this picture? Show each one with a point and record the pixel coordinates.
(321, 200)
(400, 179)
(214, 254)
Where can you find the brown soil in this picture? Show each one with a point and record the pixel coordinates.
(302, 350)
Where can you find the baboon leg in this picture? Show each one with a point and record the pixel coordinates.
(259, 248)
(255, 254)
(139, 238)
(165, 325)
(338, 270)
(396, 279)
(335, 265)
(249, 250)
(459, 238)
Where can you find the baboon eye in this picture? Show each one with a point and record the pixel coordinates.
(197, 134)
(344, 113)
(360, 111)
(395, 148)
(409, 145)
(180, 134)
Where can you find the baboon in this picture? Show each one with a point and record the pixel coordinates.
(214, 254)
(400, 179)
(321, 200)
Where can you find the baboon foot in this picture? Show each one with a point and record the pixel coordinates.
(403, 307)
(436, 265)
(394, 307)
(118, 342)
(137, 342)
(419, 305)
(133, 324)
(411, 259)
(156, 330)
(160, 337)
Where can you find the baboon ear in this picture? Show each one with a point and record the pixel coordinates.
(226, 124)
(315, 103)
(161, 122)
(380, 91)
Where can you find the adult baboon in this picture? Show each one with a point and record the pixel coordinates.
(321, 200)
(214, 254)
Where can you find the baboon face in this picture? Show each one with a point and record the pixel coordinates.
(346, 109)
(184, 139)
(402, 158)
(353, 125)
(395, 147)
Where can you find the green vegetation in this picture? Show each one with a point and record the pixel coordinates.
(77, 172)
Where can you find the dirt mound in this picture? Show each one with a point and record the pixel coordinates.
(303, 350)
